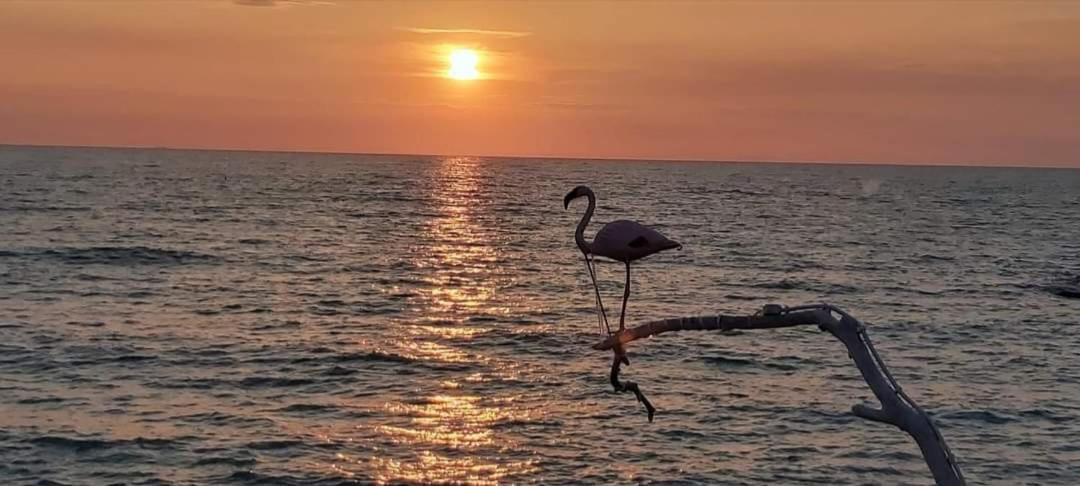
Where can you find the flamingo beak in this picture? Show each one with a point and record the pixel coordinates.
(566, 200)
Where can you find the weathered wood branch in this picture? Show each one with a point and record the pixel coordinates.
(897, 409)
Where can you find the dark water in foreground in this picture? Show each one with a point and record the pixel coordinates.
(171, 317)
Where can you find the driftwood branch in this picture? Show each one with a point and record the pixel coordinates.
(897, 409)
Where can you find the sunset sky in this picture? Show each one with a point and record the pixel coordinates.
(905, 82)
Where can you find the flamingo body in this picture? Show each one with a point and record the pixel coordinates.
(626, 241)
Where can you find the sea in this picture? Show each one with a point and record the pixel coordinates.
(227, 317)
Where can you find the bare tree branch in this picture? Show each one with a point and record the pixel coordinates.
(897, 408)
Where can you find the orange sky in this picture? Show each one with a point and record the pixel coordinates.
(904, 82)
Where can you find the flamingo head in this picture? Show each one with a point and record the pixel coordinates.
(579, 191)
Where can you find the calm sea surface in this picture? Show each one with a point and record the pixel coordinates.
(185, 317)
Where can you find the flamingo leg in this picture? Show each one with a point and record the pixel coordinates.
(625, 297)
(602, 316)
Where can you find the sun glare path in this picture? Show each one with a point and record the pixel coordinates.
(463, 64)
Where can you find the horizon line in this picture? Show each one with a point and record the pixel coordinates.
(548, 157)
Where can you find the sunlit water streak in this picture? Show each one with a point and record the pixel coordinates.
(244, 318)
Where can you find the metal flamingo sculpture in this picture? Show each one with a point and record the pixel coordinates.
(622, 240)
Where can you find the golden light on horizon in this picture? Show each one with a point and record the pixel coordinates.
(463, 64)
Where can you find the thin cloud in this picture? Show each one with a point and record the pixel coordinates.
(279, 3)
(574, 106)
(493, 33)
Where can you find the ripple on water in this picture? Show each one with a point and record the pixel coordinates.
(109, 255)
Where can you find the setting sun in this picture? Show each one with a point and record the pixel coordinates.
(463, 64)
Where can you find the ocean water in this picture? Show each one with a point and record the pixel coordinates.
(189, 317)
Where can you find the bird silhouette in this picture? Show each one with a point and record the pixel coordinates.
(622, 240)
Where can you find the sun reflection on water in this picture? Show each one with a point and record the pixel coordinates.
(455, 421)
(434, 468)
(428, 351)
(458, 424)
(451, 433)
(460, 257)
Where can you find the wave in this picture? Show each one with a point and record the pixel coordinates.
(308, 407)
(823, 287)
(377, 356)
(77, 444)
(19, 208)
(39, 400)
(225, 461)
(1068, 287)
(269, 445)
(727, 362)
(339, 371)
(1048, 415)
(273, 382)
(70, 443)
(252, 241)
(219, 419)
(114, 255)
(985, 416)
(252, 477)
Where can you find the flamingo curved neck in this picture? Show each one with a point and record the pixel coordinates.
(579, 235)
